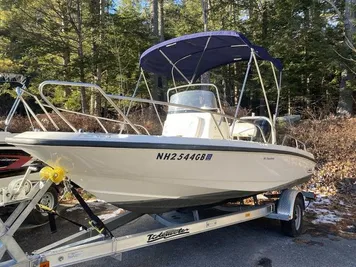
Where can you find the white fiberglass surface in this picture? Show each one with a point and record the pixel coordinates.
(3, 135)
(135, 172)
(102, 137)
(126, 174)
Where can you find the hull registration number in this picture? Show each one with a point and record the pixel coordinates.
(183, 156)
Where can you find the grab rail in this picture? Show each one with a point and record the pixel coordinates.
(41, 106)
(29, 111)
(273, 134)
(84, 85)
(296, 141)
(99, 118)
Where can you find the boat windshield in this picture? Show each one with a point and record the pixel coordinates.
(195, 98)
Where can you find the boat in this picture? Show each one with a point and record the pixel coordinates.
(18, 169)
(202, 157)
(13, 161)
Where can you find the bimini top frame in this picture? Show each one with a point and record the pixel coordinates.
(193, 54)
(188, 57)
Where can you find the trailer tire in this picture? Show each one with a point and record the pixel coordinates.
(50, 199)
(294, 227)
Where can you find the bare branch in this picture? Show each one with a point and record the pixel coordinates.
(347, 40)
(348, 59)
(349, 44)
(350, 69)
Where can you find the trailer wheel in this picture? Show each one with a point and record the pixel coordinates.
(49, 199)
(294, 227)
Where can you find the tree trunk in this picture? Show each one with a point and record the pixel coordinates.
(265, 21)
(205, 78)
(83, 97)
(155, 31)
(306, 80)
(236, 88)
(66, 51)
(97, 24)
(161, 21)
(162, 81)
(345, 104)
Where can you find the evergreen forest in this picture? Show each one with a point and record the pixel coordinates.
(100, 41)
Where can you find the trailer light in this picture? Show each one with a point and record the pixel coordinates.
(44, 264)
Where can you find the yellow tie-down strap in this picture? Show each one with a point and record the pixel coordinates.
(55, 174)
(45, 208)
(100, 231)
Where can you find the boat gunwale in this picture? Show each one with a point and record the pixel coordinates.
(147, 145)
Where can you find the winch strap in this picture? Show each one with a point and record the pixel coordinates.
(52, 222)
(73, 222)
(53, 212)
(96, 222)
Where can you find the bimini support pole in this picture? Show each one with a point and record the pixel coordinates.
(242, 91)
(202, 54)
(174, 66)
(149, 92)
(273, 132)
(130, 104)
(278, 86)
(134, 93)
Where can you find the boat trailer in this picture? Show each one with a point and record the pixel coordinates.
(90, 244)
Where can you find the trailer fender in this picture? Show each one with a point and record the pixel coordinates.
(285, 206)
(286, 203)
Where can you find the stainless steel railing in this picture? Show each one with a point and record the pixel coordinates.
(98, 119)
(84, 85)
(126, 121)
(294, 142)
(31, 114)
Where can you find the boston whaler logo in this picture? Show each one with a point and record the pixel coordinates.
(166, 234)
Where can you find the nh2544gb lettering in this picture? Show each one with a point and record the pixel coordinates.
(183, 156)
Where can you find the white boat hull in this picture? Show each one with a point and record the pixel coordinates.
(144, 169)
